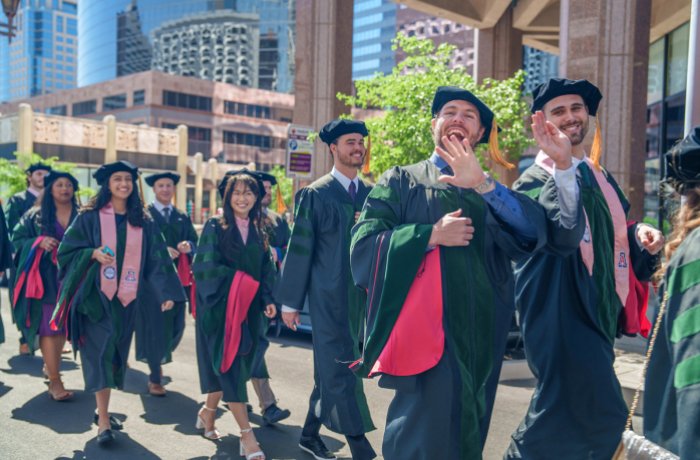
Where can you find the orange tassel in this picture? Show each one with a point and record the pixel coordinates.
(493, 147)
(365, 165)
(596, 148)
(279, 202)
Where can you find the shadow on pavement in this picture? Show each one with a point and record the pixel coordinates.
(122, 447)
(4, 389)
(135, 381)
(31, 365)
(519, 383)
(173, 409)
(74, 416)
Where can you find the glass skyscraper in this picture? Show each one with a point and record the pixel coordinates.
(373, 28)
(112, 43)
(42, 57)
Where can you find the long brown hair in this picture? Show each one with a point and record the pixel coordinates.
(228, 243)
(685, 221)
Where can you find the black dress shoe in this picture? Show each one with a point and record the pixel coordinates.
(249, 408)
(104, 438)
(114, 422)
(274, 414)
(316, 447)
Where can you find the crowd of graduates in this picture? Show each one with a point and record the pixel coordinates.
(414, 280)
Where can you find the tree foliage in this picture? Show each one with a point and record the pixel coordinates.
(286, 186)
(400, 129)
(14, 179)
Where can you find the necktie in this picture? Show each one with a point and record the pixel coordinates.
(352, 190)
(166, 214)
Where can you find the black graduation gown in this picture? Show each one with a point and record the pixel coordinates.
(672, 388)
(100, 329)
(5, 258)
(389, 243)
(156, 340)
(569, 321)
(17, 205)
(27, 313)
(317, 265)
(213, 275)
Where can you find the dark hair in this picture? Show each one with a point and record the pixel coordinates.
(135, 212)
(228, 244)
(47, 210)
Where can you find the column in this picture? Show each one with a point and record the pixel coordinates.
(323, 67)
(198, 188)
(499, 54)
(111, 149)
(607, 43)
(213, 177)
(181, 190)
(25, 130)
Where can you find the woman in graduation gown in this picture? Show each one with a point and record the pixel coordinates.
(234, 274)
(672, 388)
(36, 238)
(5, 258)
(110, 254)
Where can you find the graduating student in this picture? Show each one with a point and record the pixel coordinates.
(573, 304)
(36, 239)
(672, 388)
(5, 258)
(234, 273)
(110, 255)
(317, 264)
(277, 231)
(433, 246)
(17, 205)
(156, 341)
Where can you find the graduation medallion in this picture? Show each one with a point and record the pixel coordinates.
(109, 272)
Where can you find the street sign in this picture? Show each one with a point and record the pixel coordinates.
(300, 152)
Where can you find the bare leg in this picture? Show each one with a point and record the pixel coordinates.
(240, 413)
(102, 399)
(51, 347)
(207, 414)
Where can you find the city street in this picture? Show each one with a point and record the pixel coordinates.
(34, 427)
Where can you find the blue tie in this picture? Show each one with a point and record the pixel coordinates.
(352, 190)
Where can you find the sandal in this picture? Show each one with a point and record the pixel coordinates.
(257, 455)
(212, 434)
(60, 395)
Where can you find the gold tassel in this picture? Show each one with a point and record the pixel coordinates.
(143, 203)
(596, 148)
(493, 147)
(281, 206)
(365, 165)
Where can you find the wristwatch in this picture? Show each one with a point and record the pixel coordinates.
(485, 186)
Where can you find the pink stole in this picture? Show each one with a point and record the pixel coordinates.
(131, 266)
(417, 341)
(240, 296)
(621, 244)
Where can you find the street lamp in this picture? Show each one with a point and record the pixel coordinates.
(9, 7)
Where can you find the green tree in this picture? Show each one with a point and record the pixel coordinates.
(14, 179)
(400, 130)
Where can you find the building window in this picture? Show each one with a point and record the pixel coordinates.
(57, 110)
(248, 110)
(84, 108)
(115, 102)
(255, 140)
(139, 97)
(187, 101)
(194, 133)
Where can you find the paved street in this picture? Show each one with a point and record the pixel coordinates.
(34, 427)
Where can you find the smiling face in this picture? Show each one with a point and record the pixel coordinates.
(242, 199)
(121, 184)
(570, 114)
(164, 190)
(349, 151)
(62, 190)
(460, 119)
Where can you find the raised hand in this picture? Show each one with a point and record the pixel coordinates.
(452, 230)
(651, 239)
(461, 158)
(552, 141)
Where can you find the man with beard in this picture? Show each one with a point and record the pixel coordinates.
(156, 340)
(433, 246)
(317, 264)
(17, 205)
(572, 305)
(277, 230)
